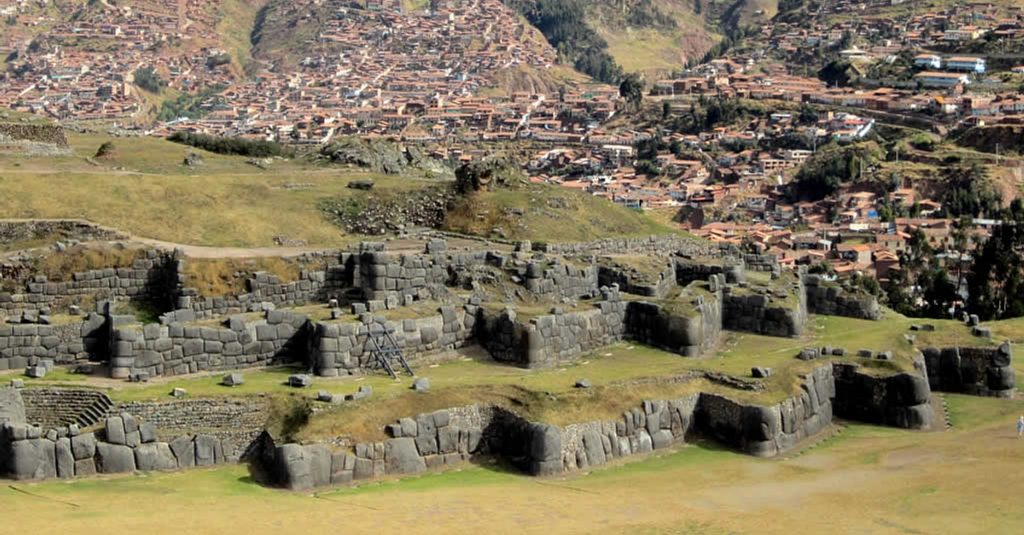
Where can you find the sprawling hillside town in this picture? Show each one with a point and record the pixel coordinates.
(420, 76)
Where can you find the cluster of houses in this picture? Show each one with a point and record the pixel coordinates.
(372, 68)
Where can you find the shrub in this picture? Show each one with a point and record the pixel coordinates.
(230, 145)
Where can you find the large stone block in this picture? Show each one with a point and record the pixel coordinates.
(208, 450)
(83, 446)
(65, 460)
(184, 451)
(115, 432)
(34, 458)
(294, 469)
(114, 458)
(155, 456)
(319, 464)
(401, 457)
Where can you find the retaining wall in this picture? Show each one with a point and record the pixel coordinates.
(418, 443)
(550, 339)
(152, 280)
(651, 244)
(25, 344)
(344, 348)
(763, 312)
(38, 133)
(635, 283)
(898, 400)
(979, 371)
(690, 327)
(561, 280)
(235, 422)
(313, 286)
(124, 445)
(831, 299)
(178, 349)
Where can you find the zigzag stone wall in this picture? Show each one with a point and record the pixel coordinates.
(453, 435)
(979, 371)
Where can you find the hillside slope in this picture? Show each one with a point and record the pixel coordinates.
(653, 36)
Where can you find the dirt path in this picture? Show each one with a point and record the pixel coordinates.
(406, 245)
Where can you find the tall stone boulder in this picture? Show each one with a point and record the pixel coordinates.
(545, 449)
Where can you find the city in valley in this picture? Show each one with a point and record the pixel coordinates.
(680, 266)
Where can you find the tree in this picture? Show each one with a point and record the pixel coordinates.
(807, 115)
(148, 79)
(996, 285)
(969, 192)
(666, 110)
(632, 89)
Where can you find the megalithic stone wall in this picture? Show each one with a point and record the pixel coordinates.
(452, 435)
(979, 371)
(124, 445)
(561, 280)
(898, 400)
(690, 327)
(346, 348)
(27, 344)
(178, 349)
(151, 279)
(760, 311)
(832, 299)
(630, 282)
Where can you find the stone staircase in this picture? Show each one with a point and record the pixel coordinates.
(58, 407)
(946, 420)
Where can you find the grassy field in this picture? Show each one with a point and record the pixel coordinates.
(862, 480)
(545, 211)
(143, 189)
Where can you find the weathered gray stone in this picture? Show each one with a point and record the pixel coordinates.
(114, 458)
(65, 460)
(401, 457)
(147, 433)
(184, 451)
(115, 432)
(207, 448)
(83, 446)
(155, 456)
(294, 465)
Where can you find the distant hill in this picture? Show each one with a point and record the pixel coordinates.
(653, 36)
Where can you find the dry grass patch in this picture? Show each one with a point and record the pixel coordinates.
(60, 265)
(217, 277)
